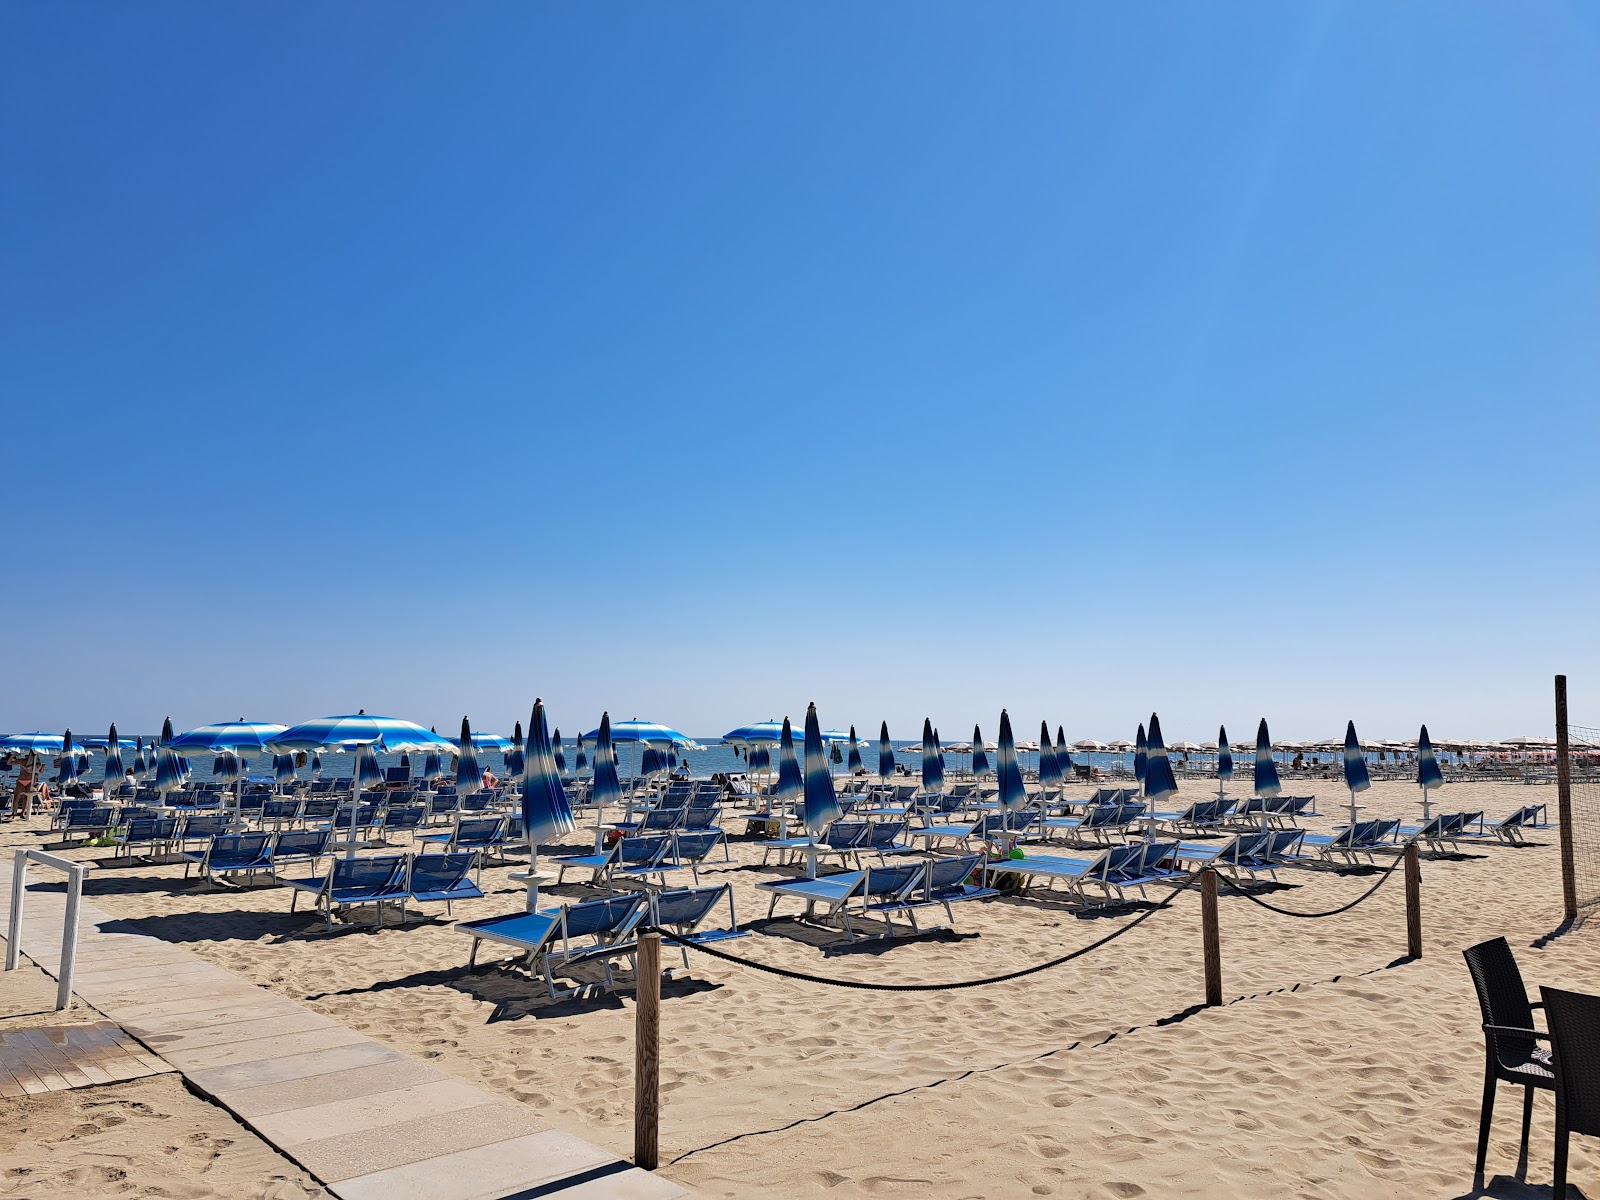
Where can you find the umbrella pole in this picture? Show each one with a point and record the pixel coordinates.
(355, 806)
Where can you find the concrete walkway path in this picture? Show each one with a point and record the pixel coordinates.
(370, 1122)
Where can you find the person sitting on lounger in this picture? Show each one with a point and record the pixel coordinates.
(490, 782)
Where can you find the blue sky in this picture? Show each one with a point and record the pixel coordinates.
(696, 361)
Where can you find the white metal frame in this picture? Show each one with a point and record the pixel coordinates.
(76, 873)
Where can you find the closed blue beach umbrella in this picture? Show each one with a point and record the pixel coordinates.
(1356, 776)
(67, 764)
(651, 762)
(113, 771)
(885, 752)
(367, 771)
(1224, 755)
(980, 756)
(171, 769)
(432, 765)
(558, 753)
(1013, 796)
(932, 763)
(316, 765)
(229, 767)
(514, 758)
(607, 790)
(821, 805)
(1266, 780)
(1049, 766)
(1159, 782)
(1063, 755)
(1141, 757)
(283, 769)
(546, 812)
(791, 782)
(580, 757)
(853, 759)
(469, 775)
(139, 767)
(758, 760)
(1428, 774)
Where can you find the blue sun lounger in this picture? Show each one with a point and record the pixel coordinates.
(545, 938)
(431, 878)
(684, 909)
(941, 883)
(1350, 843)
(230, 854)
(376, 879)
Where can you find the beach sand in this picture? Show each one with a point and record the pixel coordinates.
(1335, 1068)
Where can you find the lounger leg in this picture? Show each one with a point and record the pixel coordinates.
(472, 956)
(1486, 1113)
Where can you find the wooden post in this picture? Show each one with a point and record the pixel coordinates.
(1569, 880)
(1413, 903)
(1212, 938)
(19, 889)
(647, 1053)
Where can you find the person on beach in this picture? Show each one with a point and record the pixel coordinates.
(490, 781)
(28, 786)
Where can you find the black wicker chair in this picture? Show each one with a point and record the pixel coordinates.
(1575, 1049)
(1511, 1052)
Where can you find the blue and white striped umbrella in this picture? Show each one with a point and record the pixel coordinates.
(791, 782)
(767, 733)
(42, 744)
(113, 771)
(139, 767)
(67, 764)
(558, 753)
(546, 812)
(1049, 767)
(491, 743)
(241, 736)
(1159, 782)
(980, 756)
(229, 767)
(1356, 776)
(469, 775)
(652, 762)
(758, 758)
(388, 733)
(1141, 758)
(821, 805)
(166, 731)
(513, 760)
(283, 767)
(607, 789)
(1224, 755)
(432, 765)
(580, 758)
(1063, 755)
(316, 764)
(1013, 796)
(853, 759)
(885, 752)
(1266, 781)
(367, 771)
(171, 769)
(648, 732)
(932, 762)
(1429, 775)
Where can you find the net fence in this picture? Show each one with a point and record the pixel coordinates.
(1583, 763)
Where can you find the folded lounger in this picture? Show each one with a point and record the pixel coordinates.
(546, 937)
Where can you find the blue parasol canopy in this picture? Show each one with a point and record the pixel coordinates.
(1266, 780)
(1013, 795)
(113, 771)
(791, 782)
(932, 760)
(1063, 755)
(1141, 757)
(1224, 754)
(1049, 767)
(388, 733)
(885, 752)
(580, 757)
(67, 764)
(283, 767)
(241, 736)
(367, 771)
(820, 806)
(229, 767)
(171, 769)
(469, 775)
(1159, 782)
(758, 758)
(1428, 773)
(607, 790)
(432, 765)
(139, 767)
(853, 759)
(558, 753)
(1356, 776)
(514, 759)
(980, 756)
(546, 812)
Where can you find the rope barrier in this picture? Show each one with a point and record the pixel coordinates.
(861, 985)
(1332, 912)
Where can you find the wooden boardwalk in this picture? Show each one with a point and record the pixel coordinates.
(53, 1058)
(370, 1122)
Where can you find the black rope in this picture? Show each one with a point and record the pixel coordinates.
(933, 987)
(1332, 912)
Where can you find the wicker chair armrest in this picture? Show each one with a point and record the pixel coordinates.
(1517, 1032)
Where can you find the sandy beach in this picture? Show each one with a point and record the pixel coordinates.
(1334, 1068)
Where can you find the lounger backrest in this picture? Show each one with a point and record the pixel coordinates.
(321, 809)
(1120, 860)
(307, 843)
(198, 827)
(692, 847)
(440, 872)
(844, 833)
(1155, 853)
(408, 817)
(642, 849)
(702, 818)
(279, 809)
(240, 845)
(1283, 841)
(367, 874)
(93, 817)
(883, 837)
(685, 907)
(891, 881)
(477, 829)
(947, 873)
(662, 818)
(610, 915)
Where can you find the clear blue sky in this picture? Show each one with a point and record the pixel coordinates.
(698, 360)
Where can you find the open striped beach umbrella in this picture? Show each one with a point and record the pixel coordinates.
(1429, 775)
(113, 769)
(791, 782)
(1049, 765)
(546, 812)
(1141, 758)
(980, 756)
(1356, 776)
(469, 775)
(820, 806)
(241, 737)
(1013, 796)
(932, 762)
(1159, 782)
(607, 790)
(1266, 774)
(885, 752)
(388, 733)
(853, 759)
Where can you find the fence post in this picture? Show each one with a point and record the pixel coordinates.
(1211, 936)
(19, 889)
(1413, 903)
(1569, 881)
(647, 1053)
(69, 937)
